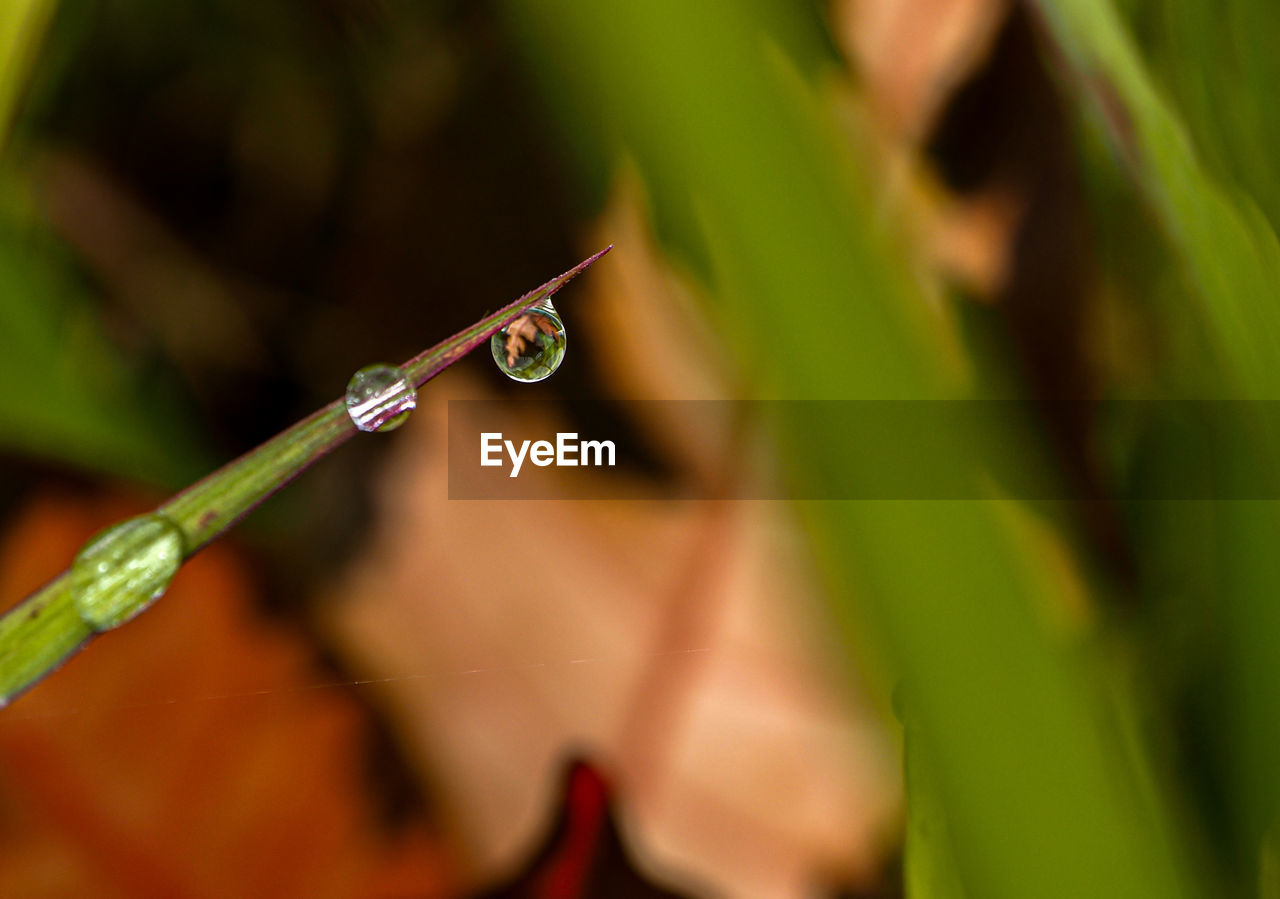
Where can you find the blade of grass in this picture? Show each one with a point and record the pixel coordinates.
(1217, 63)
(929, 865)
(1229, 250)
(1231, 257)
(42, 631)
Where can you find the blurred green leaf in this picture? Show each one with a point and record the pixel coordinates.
(1218, 62)
(22, 24)
(1220, 234)
(70, 396)
(1207, 170)
(929, 857)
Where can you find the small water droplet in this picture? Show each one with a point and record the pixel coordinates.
(380, 398)
(531, 347)
(123, 570)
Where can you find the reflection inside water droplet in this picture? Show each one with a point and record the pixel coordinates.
(123, 570)
(380, 398)
(531, 347)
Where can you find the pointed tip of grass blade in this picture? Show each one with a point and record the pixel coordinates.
(559, 281)
(429, 363)
(552, 287)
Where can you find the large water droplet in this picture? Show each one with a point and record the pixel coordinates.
(380, 398)
(123, 570)
(531, 347)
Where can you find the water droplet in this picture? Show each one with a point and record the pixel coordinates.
(531, 347)
(380, 398)
(123, 570)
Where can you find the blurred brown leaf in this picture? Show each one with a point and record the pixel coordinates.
(679, 643)
(188, 753)
(912, 56)
(913, 53)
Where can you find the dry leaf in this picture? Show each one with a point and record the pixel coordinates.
(188, 753)
(673, 641)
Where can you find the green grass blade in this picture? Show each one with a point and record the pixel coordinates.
(1221, 236)
(1223, 239)
(43, 630)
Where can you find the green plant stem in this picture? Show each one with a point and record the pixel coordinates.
(210, 506)
(38, 635)
(45, 629)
